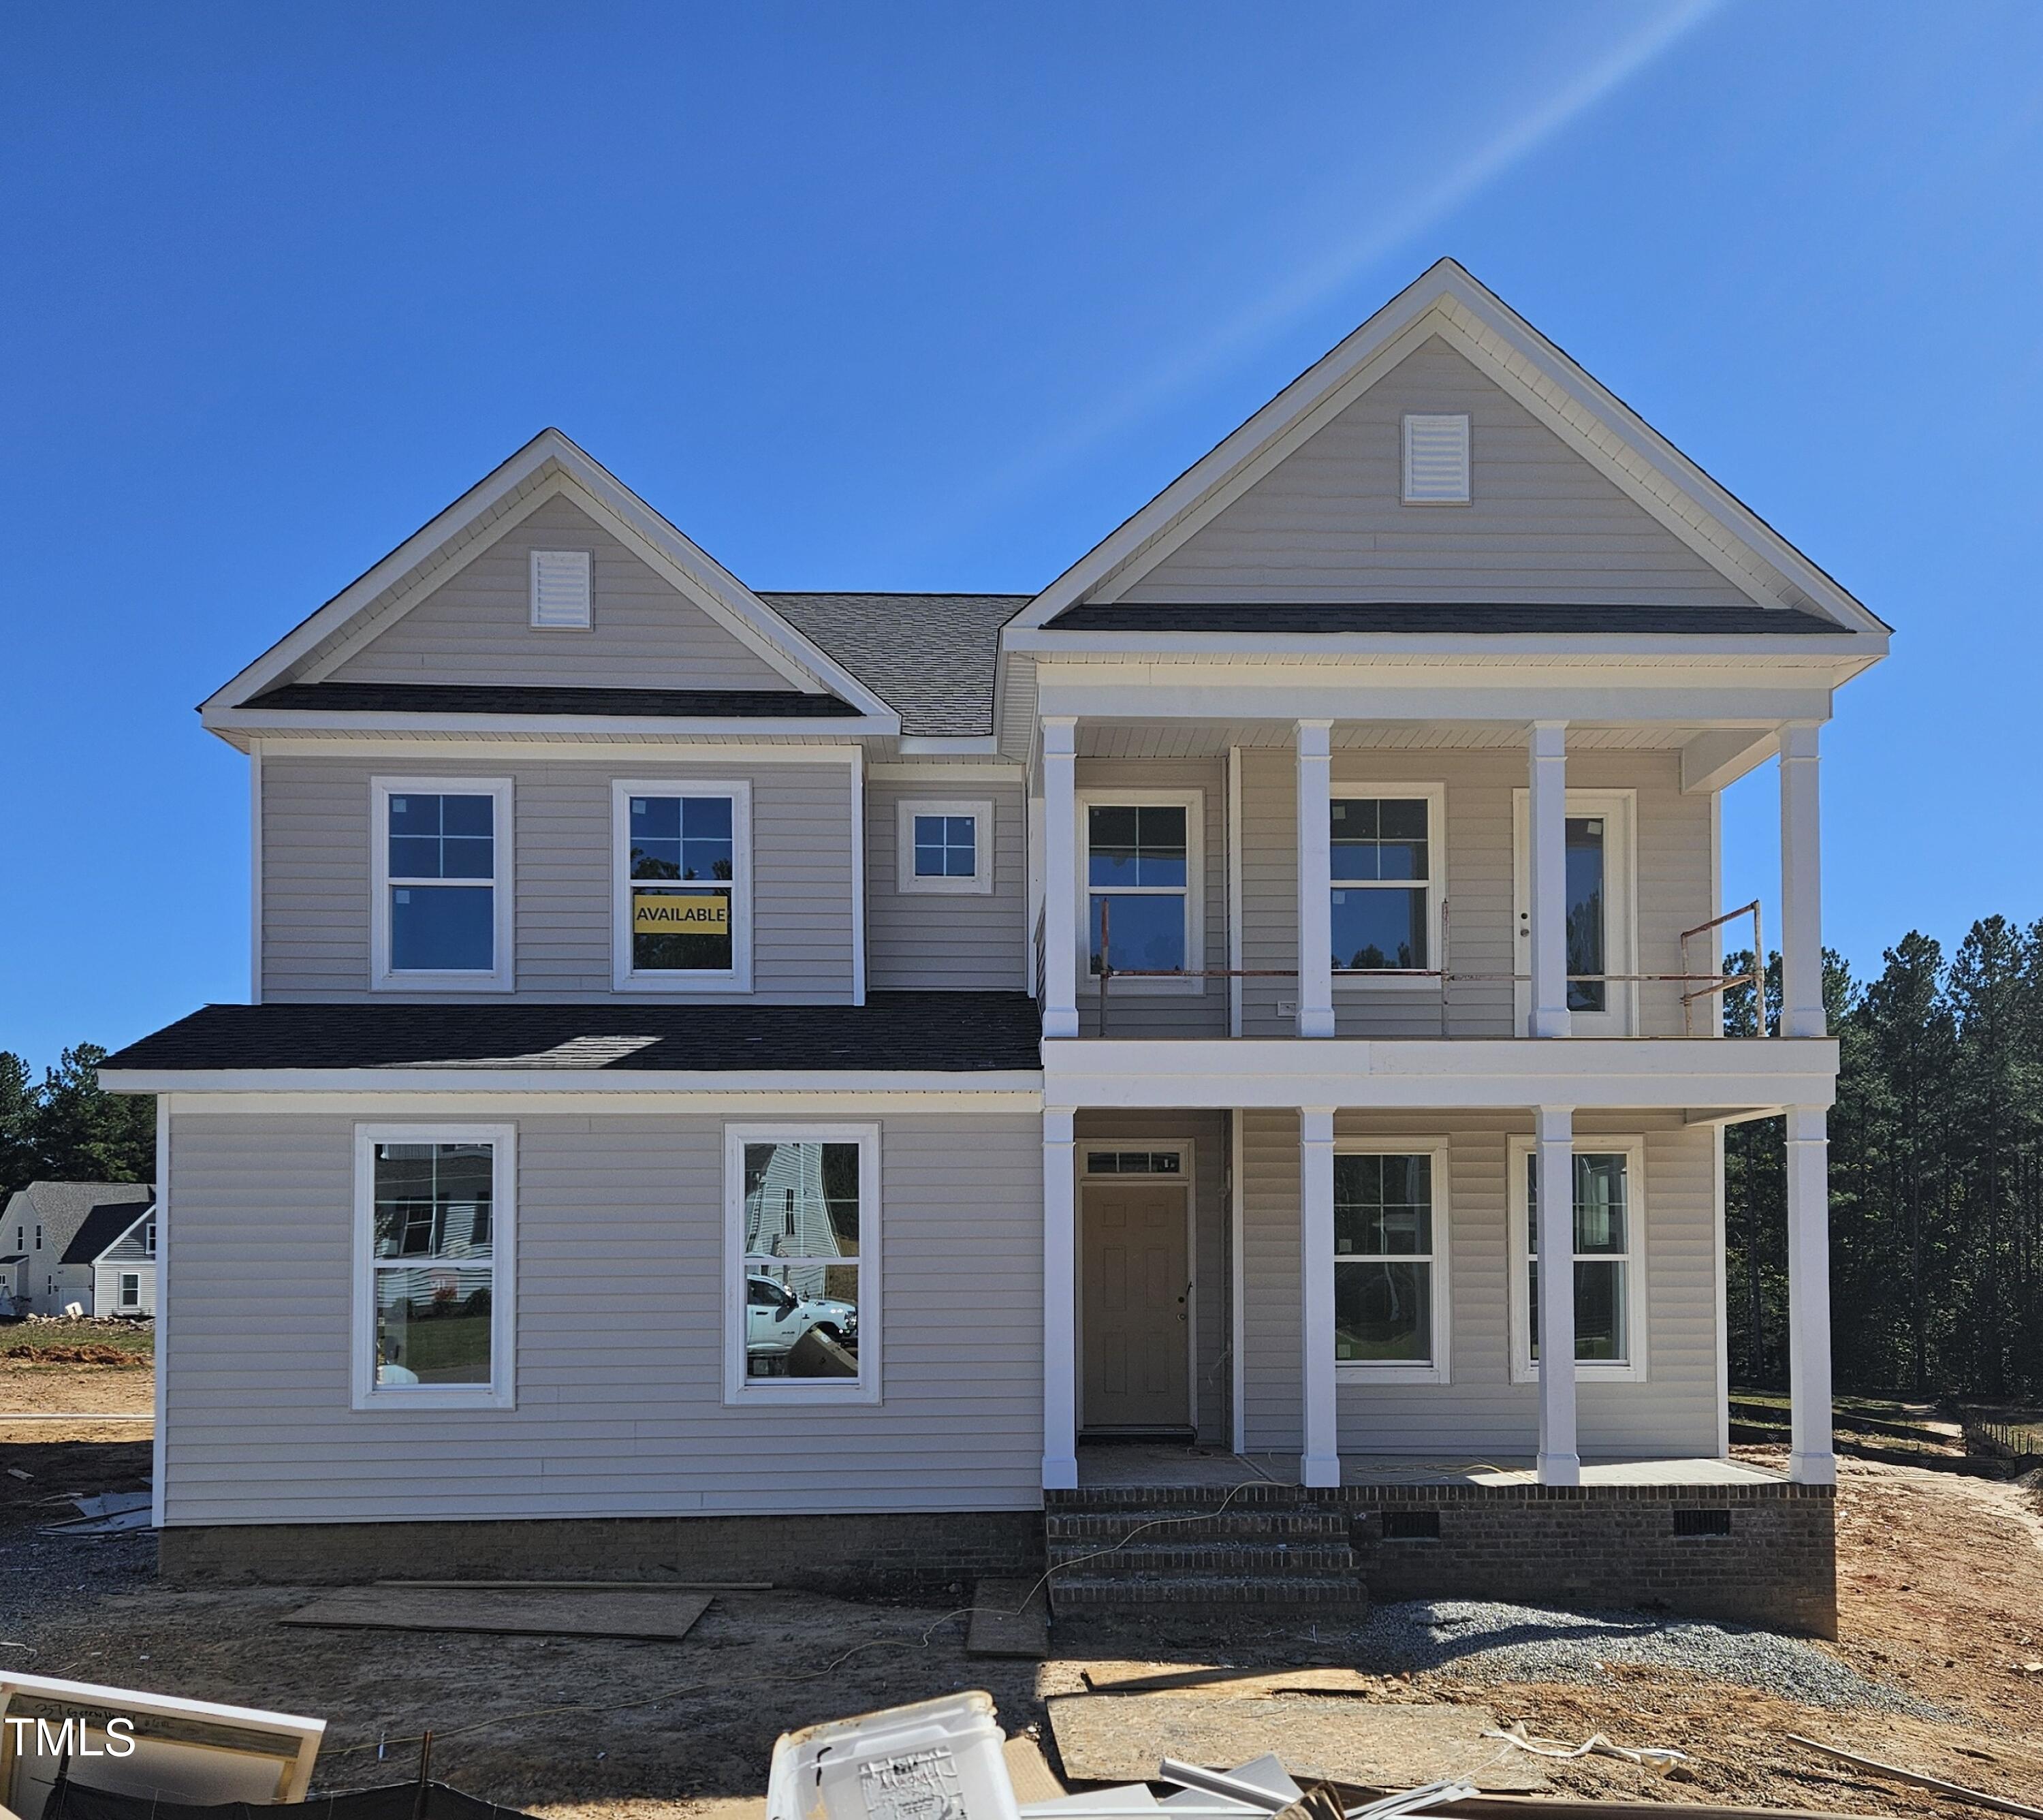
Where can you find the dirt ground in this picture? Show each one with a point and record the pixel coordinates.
(1942, 1595)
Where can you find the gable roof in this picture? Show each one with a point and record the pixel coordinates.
(1446, 301)
(104, 1228)
(549, 465)
(933, 656)
(64, 1210)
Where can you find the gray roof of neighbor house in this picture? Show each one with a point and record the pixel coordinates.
(104, 1228)
(66, 1210)
(945, 1032)
(932, 656)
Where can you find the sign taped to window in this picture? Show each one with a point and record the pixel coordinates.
(681, 913)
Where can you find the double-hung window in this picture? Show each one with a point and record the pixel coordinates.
(434, 1294)
(1610, 1338)
(1143, 861)
(1390, 1263)
(131, 1289)
(1384, 866)
(944, 846)
(441, 915)
(684, 886)
(802, 1263)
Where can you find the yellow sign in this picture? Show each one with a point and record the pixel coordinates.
(681, 913)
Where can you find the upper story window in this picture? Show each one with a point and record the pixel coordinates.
(149, 1239)
(561, 594)
(944, 846)
(440, 918)
(1607, 1260)
(1436, 459)
(1588, 948)
(1143, 865)
(434, 1297)
(1386, 890)
(684, 873)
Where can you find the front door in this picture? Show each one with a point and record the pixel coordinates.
(1135, 1286)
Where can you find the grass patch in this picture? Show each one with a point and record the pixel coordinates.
(135, 1337)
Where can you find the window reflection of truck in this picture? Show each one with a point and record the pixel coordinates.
(775, 1317)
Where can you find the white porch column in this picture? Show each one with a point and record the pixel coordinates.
(1554, 1168)
(1547, 881)
(1316, 941)
(1320, 1464)
(1801, 889)
(1809, 1459)
(1061, 877)
(1060, 1303)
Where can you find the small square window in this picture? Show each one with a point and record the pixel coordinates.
(944, 846)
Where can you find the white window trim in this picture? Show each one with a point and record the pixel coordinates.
(979, 884)
(588, 624)
(501, 1391)
(739, 1389)
(1439, 1368)
(500, 977)
(1405, 458)
(122, 1280)
(739, 977)
(1435, 797)
(1621, 1014)
(1523, 1368)
(1193, 803)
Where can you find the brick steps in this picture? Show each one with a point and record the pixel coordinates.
(1129, 1549)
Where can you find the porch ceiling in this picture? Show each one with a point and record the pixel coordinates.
(1209, 739)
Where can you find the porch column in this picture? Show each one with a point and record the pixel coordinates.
(1060, 879)
(1801, 889)
(1320, 1464)
(1554, 1168)
(1547, 881)
(1316, 941)
(1809, 1459)
(1060, 1303)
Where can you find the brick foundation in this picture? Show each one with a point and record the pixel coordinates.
(894, 1553)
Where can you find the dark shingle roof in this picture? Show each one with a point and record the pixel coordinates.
(495, 698)
(64, 1210)
(932, 656)
(102, 1227)
(1435, 616)
(946, 1032)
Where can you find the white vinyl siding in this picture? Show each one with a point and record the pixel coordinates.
(1482, 1412)
(316, 868)
(1329, 522)
(477, 626)
(621, 1243)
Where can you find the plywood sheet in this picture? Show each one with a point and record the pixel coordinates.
(646, 1616)
(1029, 1771)
(1121, 1737)
(1241, 1683)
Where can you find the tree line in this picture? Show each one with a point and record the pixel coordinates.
(1936, 1174)
(66, 1128)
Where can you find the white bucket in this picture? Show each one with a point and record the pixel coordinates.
(938, 1759)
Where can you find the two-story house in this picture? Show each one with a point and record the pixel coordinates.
(851, 1071)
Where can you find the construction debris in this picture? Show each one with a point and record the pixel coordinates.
(1009, 1618)
(1029, 1771)
(1245, 1684)
(1122, 1738)
(1893, 1773)
(637, 1616)
(1660, 1760)
(937, 1759)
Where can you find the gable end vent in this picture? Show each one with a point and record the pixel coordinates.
(560, 588)
(1437, 459)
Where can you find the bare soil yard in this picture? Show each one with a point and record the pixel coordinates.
(1942, 1597)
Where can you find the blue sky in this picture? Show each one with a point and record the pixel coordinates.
(932, 296)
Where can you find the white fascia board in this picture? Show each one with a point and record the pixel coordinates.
(230, 722)
(1414, 1074)
(1845, 655)
(1447, 300)
(949, 745)
(604, 746)
(1223, 695)
(670, 553)
(658, 1086)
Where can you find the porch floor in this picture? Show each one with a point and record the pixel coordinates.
(1122, 1464)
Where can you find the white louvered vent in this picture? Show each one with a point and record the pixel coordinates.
(560, 588)
(1436, 460)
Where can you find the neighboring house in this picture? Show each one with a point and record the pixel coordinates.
(93, 1243)
(1185, 1003)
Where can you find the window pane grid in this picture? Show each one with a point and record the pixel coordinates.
(1141, 853)
(683, 840)
(1383, 1259)
(432, 1264)
(1601, 1257)
(436, 927)
(801, 1260)
(1381, 863)
(946, 847)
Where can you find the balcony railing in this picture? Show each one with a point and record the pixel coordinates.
(1700, 987)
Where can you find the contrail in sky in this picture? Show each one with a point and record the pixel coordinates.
(1405, 222)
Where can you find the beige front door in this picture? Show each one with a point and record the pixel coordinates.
(1135, 1282)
